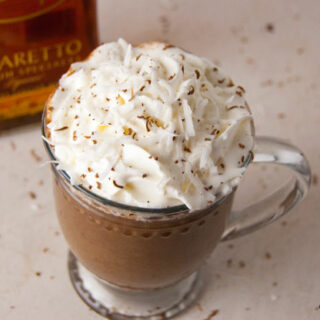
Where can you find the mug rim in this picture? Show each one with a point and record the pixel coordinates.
(122, 206)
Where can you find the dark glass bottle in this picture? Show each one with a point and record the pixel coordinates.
(39, 39)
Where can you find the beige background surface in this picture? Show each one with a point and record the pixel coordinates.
(273, 273)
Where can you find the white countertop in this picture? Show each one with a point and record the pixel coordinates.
(280, 68)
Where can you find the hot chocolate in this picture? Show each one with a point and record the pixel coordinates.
(149, 144)
(146, 252)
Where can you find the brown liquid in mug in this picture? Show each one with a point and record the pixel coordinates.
(129, 252)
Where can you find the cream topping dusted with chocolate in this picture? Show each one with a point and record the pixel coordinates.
(150, 126)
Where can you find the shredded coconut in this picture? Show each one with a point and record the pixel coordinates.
(150, 126)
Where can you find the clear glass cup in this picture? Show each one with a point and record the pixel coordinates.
(139, 263)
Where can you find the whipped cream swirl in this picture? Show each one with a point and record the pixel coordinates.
(150, 126)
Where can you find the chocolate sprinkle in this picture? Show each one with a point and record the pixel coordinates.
(62, 128)
(230, 84)
(168, 46)
(212, 314)
(191, 91)
(117, 185)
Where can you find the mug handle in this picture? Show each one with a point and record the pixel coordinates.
(259, 214)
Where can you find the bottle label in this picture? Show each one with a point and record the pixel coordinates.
(19, 69)
(21, 10)
(39, 39)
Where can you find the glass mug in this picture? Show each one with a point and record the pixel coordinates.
(139, 263)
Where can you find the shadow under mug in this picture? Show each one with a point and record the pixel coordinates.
(139, 263)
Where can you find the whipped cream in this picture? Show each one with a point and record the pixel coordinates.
(150, 126)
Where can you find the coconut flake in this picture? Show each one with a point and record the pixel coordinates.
(190, 132)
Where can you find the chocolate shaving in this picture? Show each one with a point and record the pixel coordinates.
(117, 185)
(171, 77)
(230, 84)
(186, 149)
(242, 89)
(141, 89)
(215, 131)
(269, 27)
(138, 57)
(242, 146)
(212, 314)
(168, 46)
(62, 128)
(147, 125)
(182, 68)
(144, 175)
(32, 195)
(182, 56)
(191, 91)
(221, 81)
(35, 156)
(98, 185)
(215, 69)
(197, 73)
